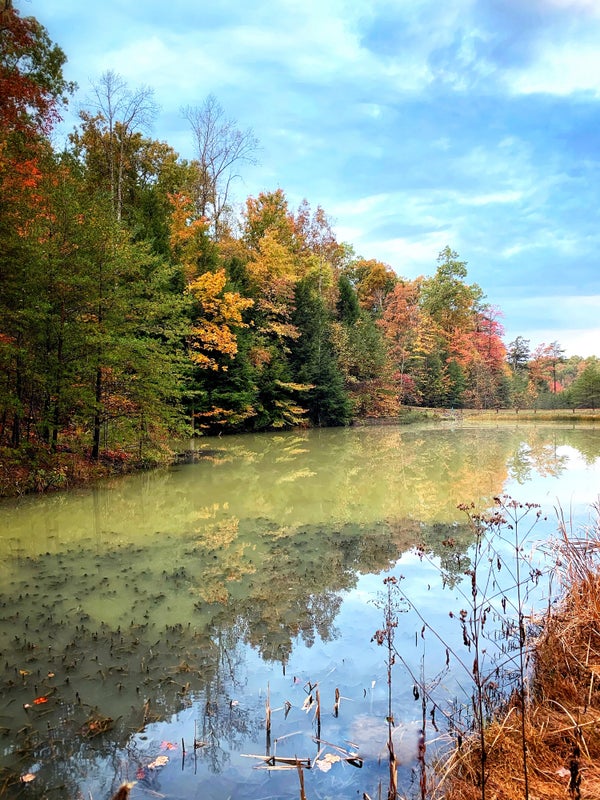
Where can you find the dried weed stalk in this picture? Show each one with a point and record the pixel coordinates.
(561, 725)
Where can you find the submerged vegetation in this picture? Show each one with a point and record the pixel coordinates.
(99, 645)
(140, 303)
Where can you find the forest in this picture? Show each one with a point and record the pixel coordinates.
(141, 303)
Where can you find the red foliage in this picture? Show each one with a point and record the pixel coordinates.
(30, 84)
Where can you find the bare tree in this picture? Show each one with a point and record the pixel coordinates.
(221, 147)
(121, 113)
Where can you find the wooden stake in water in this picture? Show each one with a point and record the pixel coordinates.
(301, 777)
(336, 705)
(268, 721)
(318, 714)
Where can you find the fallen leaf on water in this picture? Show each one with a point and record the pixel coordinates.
(325, 763)
(123, 792)
(159, 761)
(308, 703)
(39, 700)
(168, 746)
(27, 778)
(24, 672)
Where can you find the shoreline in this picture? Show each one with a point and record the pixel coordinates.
(34, 469)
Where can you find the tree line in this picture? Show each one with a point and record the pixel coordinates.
(138, 302)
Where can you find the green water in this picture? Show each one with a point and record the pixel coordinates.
(159, 607)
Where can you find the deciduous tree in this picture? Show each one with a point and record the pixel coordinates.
(373, 281)
(221, 149)
(111, 132)
(448, 300)
(217, 316)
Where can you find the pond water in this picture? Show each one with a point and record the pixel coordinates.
(146, 624)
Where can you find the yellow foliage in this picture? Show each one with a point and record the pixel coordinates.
(273, 260)
(221, 311)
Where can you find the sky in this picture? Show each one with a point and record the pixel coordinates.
(415, 125)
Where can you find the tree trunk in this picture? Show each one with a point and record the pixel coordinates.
(97, 416)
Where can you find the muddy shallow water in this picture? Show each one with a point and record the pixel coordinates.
(146, 625)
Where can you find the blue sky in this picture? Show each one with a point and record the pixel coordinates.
(415, 124)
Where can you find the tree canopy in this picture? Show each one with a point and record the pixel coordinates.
(139, 303)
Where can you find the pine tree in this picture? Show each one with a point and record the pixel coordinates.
(314, 361)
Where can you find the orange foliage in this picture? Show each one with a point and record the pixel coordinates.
(20, 188)
(402, 319)
(481, 345)
(186, 232)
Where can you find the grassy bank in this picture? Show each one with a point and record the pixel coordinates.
(36, 469)
(562, 704)
(530, 415)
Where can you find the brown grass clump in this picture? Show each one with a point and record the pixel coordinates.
(563, 707)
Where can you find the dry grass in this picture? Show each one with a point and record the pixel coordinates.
(532, 414)
(563, 713)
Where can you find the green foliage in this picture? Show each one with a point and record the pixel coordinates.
(111, 340)
(226, 400)
(518, 353)
(457, 383)
(279, 398)
(314, 361)
(94, 338)
(585, 392)
(431, 381)
(447, 298)
(31, 67)
(348, 308)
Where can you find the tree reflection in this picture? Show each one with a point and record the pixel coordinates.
(151, 611)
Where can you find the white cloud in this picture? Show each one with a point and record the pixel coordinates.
(508, 196)
(590, 7)
(572, 320)
(574, 341)
(412, 257)
(355, 100)
(362, 205)
(561, 69)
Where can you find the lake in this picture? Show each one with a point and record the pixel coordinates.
(151, 625)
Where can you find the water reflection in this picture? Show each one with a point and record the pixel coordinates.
(167, 602)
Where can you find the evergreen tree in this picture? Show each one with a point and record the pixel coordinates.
(313, 359)
(457, 383)
(518, 353)
(585, 391)
(431, 381)
(348, 308)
